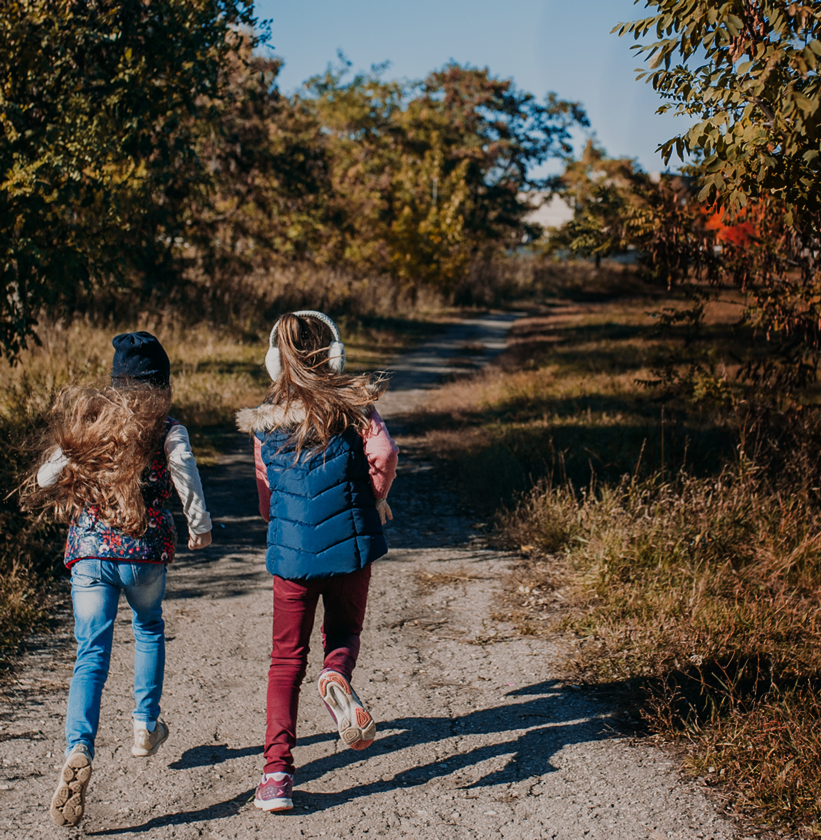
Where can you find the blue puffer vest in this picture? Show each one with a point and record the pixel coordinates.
(323, 512)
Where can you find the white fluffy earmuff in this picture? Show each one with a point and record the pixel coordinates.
(336, 350)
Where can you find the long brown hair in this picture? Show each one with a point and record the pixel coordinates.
(331, 401)
(109, 436)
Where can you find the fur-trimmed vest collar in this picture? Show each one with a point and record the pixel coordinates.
(266, 418)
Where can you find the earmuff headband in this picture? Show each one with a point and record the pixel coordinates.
(309, 313)
(336, 351)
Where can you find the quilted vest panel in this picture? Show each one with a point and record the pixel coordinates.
(323, 513)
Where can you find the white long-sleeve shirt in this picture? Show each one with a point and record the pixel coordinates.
(181, 465)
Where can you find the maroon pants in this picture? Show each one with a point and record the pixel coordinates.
(344, 598)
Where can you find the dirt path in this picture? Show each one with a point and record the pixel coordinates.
(476, 737)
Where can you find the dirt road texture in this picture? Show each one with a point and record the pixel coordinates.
(477, 738)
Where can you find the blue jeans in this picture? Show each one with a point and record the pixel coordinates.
(95, 592)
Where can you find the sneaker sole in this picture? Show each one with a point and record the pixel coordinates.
(139, 752)
(357, 728)
(274, 804)
(69, 801)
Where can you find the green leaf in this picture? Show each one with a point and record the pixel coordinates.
(734, 25)
(807, 105)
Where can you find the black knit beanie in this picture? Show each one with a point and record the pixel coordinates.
(139, 358)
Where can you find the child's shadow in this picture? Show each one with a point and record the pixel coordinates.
(562, 717)
(210, 755)
(220, 811)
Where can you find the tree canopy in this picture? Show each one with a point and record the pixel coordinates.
(612, 199)
(428, 175)
(747, 72)
(100, 103)
(146, 147)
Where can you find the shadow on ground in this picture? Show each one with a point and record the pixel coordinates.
(532, 732)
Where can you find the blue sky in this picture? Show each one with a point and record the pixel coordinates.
(560, 45)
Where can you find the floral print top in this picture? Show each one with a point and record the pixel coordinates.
(89, 538)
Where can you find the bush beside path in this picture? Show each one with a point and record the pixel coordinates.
(477, 736)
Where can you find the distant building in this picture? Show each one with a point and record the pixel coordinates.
(548, 211)
(552, 211)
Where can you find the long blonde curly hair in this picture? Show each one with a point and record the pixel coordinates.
(330, 401)
(109, 437)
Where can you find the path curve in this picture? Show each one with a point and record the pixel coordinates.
(477, 738)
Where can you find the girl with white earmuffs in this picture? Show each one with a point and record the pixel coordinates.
(324, 465)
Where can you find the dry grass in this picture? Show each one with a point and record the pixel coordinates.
(563, 406)
(688, 577)
(425, 578)
(698, 600)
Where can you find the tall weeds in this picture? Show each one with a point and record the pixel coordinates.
(677, 545)
(29, 547)
(700, 600)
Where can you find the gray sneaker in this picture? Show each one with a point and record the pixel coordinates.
(69, 800)
(145, 742)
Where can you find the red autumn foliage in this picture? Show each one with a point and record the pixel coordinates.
(739, 233)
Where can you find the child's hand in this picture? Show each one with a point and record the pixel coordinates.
(384, 510)
(196, 541)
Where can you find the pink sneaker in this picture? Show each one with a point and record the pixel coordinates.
(274, 792)
(357, 728)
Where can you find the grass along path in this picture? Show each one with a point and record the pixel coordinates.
(688, 578)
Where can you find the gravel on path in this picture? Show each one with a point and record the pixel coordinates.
(477, 738)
